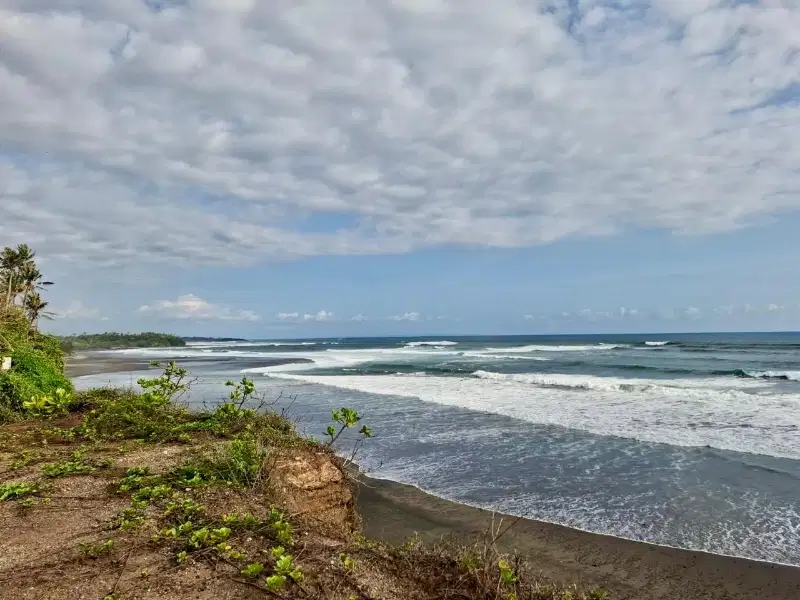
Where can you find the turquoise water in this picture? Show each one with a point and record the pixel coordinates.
(687, 440)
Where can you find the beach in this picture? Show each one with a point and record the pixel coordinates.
(629, 569)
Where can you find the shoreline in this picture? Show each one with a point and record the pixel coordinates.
(630, 569)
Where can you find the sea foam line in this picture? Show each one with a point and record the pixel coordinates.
(727, 419)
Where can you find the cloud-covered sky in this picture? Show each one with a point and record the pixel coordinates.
(318, 167)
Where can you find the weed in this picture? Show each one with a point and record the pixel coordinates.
(130, 518)
(75, 466)
(183, 510)
(243, 521)
(253, 570)
(150, 493)
(348, 563)
(16, 491)
(95, 550)
(281, 527)
(24, 458)
(239, 463)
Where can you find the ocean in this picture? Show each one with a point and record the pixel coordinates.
(686, 440)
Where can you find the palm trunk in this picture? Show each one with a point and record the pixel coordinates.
(10, 287)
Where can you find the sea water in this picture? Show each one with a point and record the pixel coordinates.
(685, 440)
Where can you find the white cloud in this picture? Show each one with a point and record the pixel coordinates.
(322, 315)
(190, 306)
(359, 317)
(691, 313)
(409, 316)
(201, 133)
(77, 310)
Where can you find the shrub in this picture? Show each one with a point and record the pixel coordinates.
(124, 414)
(240, 462)
(14, 328)
(151, 415)
(50, 347)
(48, 406)
(33, 373)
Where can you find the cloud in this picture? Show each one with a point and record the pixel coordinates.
(322, 315)
(409, 316)
(359, 317)
(190, 306)
(208, 132)
(77, 310)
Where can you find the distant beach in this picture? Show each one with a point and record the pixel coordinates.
(632, 570)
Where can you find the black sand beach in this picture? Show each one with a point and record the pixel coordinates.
(629, 569)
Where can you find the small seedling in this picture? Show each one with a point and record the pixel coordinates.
(507, 574)
(253, 570)
(96, 550)
(66, 468)
(348, 563)
(275, 583)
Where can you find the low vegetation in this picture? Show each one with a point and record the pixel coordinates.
(113, 340)
(35, 382)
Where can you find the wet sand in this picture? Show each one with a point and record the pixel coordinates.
(630, 570)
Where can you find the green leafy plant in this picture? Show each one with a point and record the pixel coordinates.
(275, 583)
(75, 466)
(242, 521)
(48, 405)
(285, 567)
(507, 574)
(348, 563)
(15, 491)
(281, 527)
(95, 550)
(345, 418)
(253, 570)
(183, 510)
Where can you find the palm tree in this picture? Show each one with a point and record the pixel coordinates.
(30, 280)
(34, 309)
(12, 261)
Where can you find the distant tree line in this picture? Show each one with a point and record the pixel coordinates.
(113, 340)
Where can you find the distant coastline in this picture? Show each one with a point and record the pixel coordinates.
(117, 341)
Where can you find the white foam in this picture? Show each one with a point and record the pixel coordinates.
(791, 375)
(441, 343)
(541, 348)
(656, 343)
(472, 354)
(247, 344)
(649, 410)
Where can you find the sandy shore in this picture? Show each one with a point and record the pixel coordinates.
(631, 570)
(96, 364)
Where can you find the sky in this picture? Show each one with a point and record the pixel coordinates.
(312, 168)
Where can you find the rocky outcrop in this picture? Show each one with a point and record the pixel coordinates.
(312, 486)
